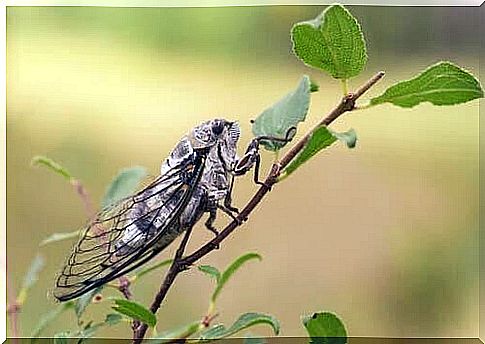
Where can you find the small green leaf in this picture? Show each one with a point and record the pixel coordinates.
(441, 84)
(51, 164)
(243, 322)
(124, 184)
(348, 137)
(325, 328)
(332, 42)
(211, 271)
(59, 237)
(181, 332)
(135, 311)
(152, 268)
(84, 301)
(278, 120)
(49, 318)
(321, 138)
(231, 269)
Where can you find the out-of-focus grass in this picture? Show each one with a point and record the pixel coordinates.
(384, 235)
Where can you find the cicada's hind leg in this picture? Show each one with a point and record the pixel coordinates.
(209, 223)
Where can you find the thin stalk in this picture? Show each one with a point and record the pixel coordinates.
(345, 86)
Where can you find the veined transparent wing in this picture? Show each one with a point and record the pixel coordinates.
(130, 232)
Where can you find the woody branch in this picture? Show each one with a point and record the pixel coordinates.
(181, 262)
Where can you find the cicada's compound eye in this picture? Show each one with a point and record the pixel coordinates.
(217, 127)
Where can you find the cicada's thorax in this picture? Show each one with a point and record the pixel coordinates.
(217, 150)
(214, 183)
(217, 171)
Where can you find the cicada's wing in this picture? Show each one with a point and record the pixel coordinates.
(128, 233)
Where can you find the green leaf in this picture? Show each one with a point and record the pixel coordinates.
(332, 42)
(211, 271)
(135, 311)
(84, 301)
(231, 269)
(152, 268)
(348, 137)
(278, 120)
(50, 164)
(321, 138)
(59, 237)
(47, 318)
(184, 331)
(325, 328)
(124, 184)
(441, 84)
(243, 322)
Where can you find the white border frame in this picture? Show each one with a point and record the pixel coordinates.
(140, 3)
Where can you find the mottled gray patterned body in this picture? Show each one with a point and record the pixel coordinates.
(216, 140)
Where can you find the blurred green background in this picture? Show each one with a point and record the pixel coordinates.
(385, 235)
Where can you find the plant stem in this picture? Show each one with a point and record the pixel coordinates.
(345, 87)
(83, 194)
(181, 263)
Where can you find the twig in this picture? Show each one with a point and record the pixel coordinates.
(179, 264)
(124, 287)
(176, 267)
(83, 194)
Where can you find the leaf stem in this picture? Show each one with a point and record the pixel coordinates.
(345, 87)
(181, 263)
(84, 196)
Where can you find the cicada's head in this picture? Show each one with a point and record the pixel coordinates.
(215, 132)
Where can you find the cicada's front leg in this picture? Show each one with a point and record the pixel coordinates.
(248, 160)
(241, 167)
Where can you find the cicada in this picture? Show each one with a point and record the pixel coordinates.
(196, 178)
